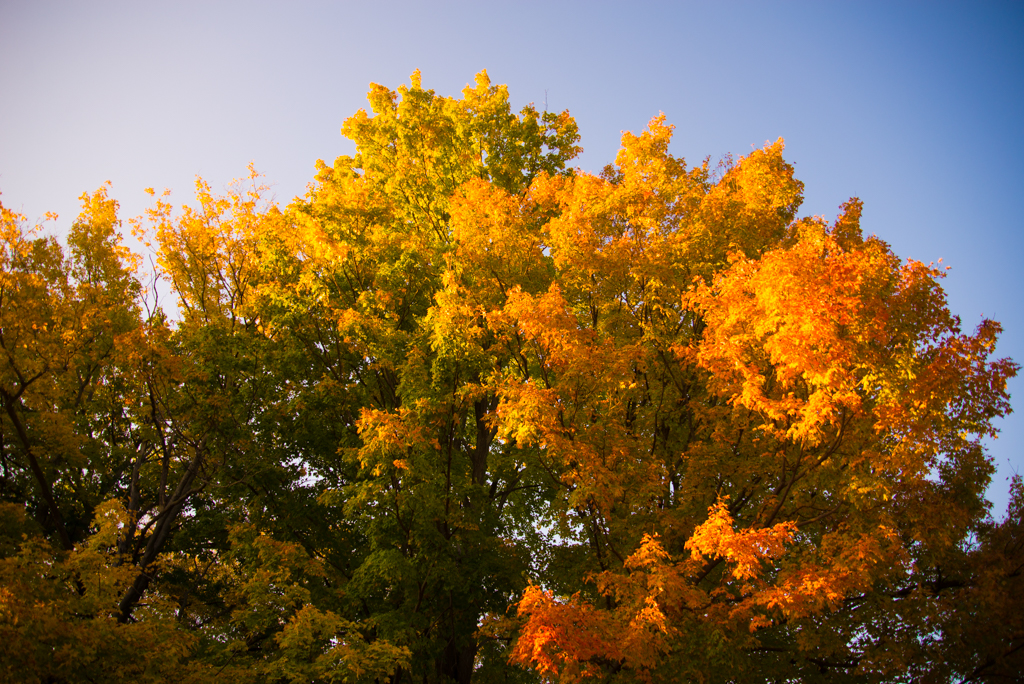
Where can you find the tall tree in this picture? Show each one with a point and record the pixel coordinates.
(83, 521)
(766, 432)
(385, 289)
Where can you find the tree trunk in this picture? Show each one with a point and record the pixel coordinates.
(159, 537)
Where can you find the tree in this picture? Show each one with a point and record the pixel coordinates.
(432, 517)
(462, 413)
(78, 446)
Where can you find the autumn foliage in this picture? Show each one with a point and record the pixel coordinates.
(465, 413)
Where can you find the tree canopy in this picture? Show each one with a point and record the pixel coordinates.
(465, 413)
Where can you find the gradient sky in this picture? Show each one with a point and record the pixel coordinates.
(916, 108)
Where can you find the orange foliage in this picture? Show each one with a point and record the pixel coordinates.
(744, 550)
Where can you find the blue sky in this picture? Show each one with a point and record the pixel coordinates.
(917, 108)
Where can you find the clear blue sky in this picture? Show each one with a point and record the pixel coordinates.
(917, 108)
